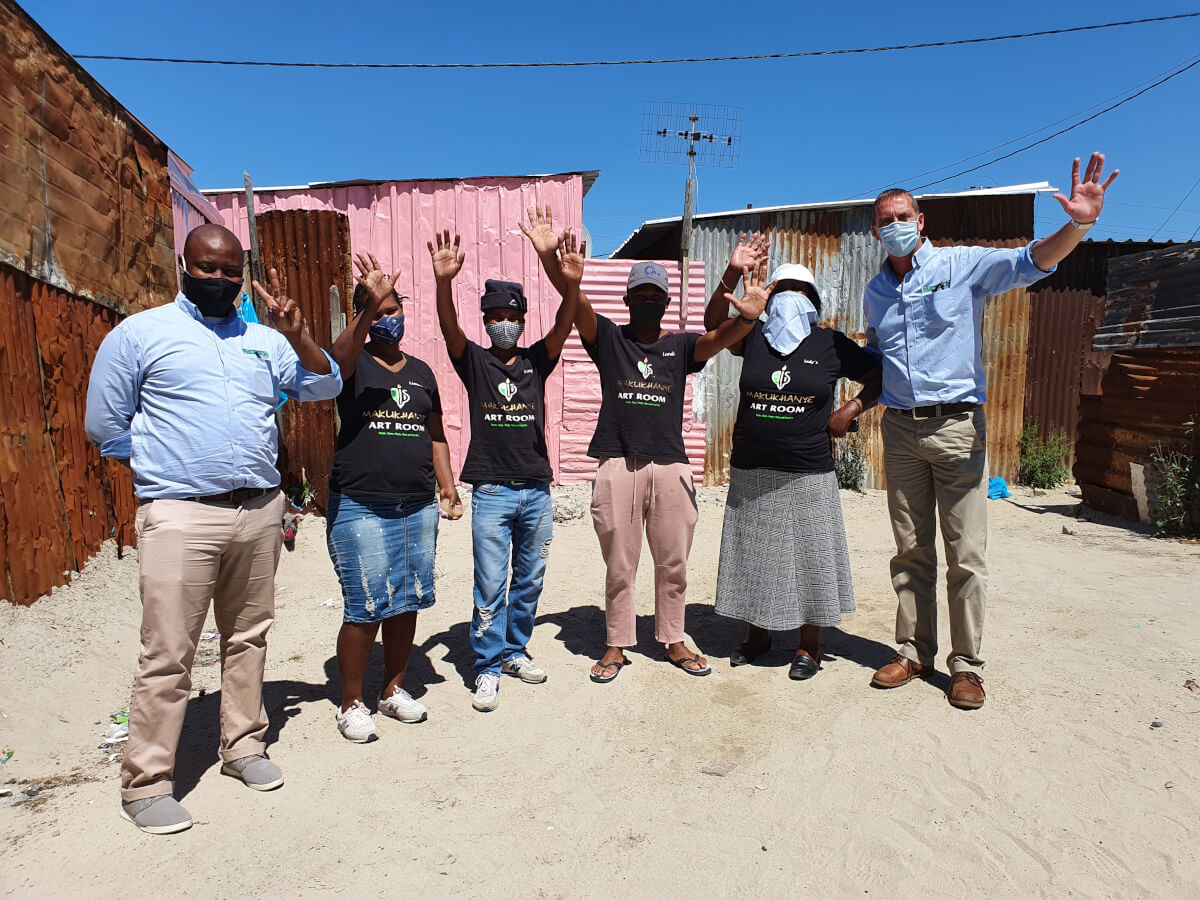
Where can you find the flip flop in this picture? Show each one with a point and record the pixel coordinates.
(699, 673)
(615, 666)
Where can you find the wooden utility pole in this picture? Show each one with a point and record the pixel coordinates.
(255, 261)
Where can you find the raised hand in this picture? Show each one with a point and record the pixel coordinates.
(447, 260)
(1087, 196)
(748, 253)
(754, 297)
(370, 276)
(571, 257)
(541, 229)
(283, 311)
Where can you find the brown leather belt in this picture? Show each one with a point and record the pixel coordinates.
(941, 409)
(237, 497)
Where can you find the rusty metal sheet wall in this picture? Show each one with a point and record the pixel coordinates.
(311, 250)
(1153, 300)
(87, 198)
(1147, 395)
(59, 501)
(1061, 325)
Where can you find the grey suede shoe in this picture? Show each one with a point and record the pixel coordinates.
(157, 815)
(256, 771)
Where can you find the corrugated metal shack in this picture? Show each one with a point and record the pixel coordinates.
(1151, 387)
(1065, 311)
(834, 240)
(86, 237)
(394, 220)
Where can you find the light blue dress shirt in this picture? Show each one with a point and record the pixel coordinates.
(191, 401)
(927, 330)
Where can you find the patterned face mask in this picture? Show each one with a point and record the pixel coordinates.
(388, 330)
(504, 334)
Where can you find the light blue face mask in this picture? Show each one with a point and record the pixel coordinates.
(790, 318)
(899, 238)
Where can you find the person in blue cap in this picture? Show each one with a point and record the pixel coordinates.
(507, 462)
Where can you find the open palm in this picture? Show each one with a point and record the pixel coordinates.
(541, 229)
(447, 260)
(1087, 195)
(748, 253)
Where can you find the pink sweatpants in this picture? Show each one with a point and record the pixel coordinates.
(631, 496)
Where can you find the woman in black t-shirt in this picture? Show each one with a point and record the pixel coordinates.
(784, 560)
(382, 521)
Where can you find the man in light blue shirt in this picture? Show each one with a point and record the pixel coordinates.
(924, 318)
(186, 394)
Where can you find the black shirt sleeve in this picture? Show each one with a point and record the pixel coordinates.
(690, 341)
(604, 330)
(539, 355)
(462, 365)
(854, 362)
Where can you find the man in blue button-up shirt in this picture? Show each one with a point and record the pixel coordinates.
(924, 317)
(186, 394)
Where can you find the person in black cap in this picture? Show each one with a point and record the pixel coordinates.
(507, 464)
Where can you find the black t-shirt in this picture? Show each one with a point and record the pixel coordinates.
(642, 385)
(384, 448)
(786, 401)
(508, 414)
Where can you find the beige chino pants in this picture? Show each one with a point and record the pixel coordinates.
(938, 466)
(190, 554)
(630, 496)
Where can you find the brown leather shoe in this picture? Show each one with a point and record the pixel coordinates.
(900, 671)
(966, 690)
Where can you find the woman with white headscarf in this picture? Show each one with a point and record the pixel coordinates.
(784, 560)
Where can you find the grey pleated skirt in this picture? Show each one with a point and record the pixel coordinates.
(784, 560)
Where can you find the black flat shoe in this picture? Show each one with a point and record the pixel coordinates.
(747, 653)
(803, 667)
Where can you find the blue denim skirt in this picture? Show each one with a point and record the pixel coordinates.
(382, 551)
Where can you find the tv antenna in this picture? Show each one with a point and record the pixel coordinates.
(701, 134)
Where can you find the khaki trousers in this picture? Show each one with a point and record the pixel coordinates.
(189, 554)
(629, 496)
(938, 464)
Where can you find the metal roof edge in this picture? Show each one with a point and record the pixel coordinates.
(589, 178)
(1033, 187)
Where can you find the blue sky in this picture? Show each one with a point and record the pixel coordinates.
(813, 129)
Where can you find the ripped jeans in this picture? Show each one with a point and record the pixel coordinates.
(509, 521)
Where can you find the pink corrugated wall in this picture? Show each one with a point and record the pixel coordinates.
(395, 219)
(604, 283)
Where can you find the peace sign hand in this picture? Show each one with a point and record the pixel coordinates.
(754, 298)
(1087, 196)
(283, 311)
(447, 260)
(370, 276)
(541, 229)
(748, 253)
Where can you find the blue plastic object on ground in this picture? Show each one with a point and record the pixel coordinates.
(997, 488)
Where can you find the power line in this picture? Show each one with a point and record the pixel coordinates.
(1176, 209)
(1021, 137)
(638, 62)
(1061, 131)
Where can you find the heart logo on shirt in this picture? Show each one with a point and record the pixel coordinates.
(781, 378)
(507, 389)
(401, 396)
(645, 368)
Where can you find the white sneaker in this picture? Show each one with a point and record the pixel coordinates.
(487, 686)
(355, 724)
(522, 667)
(402, 706)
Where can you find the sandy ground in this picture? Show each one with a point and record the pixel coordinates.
(1059, 786)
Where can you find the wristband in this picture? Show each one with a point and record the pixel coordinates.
(1082, 226)
(724, 285)
(742, 318)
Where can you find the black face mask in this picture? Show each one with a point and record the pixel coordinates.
(213, 296)
(646, 314)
